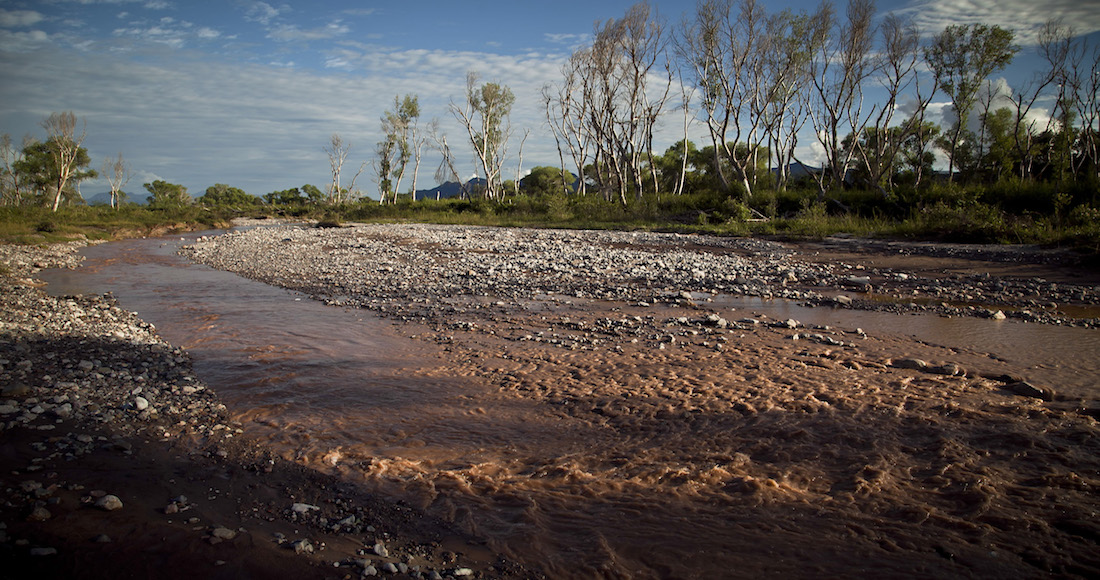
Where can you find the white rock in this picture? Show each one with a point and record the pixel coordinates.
(301, 508)
(141, 403)
(109, 503)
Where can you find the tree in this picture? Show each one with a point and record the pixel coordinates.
(11, 189)
(167, 195)
(446, 171)
(117, 172)
(38, 170)
(337, 151)
(486, 118)
(881, 149)
(61, 131)
(841, 63)
(221, 194)
(544, 180)
(401, 143)
(962, 57)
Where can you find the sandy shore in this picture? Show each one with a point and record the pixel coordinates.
(799, 451)
(119, 462)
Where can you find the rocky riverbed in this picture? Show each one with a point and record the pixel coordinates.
(396, 268)
(640, 427)
(667, 434)
(119, 461)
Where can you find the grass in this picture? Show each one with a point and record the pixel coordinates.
(1007, 213)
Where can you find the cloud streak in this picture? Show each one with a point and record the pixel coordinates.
(1026, 17)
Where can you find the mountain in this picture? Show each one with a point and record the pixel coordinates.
(449, 189)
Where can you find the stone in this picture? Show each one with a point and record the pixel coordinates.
(302, 546)
(949, 369)
(223, 533)
(16, 389)
(301, 508)
(103, 539)
(141, 403)
(1026, 389)
(842, 300)
(380, 549)
(914, 364)
(109, 503)
(998, 315)
(39, 514)
(43, 551)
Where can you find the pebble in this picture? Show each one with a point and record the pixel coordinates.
(223, 533)
(302, 546)
(109, 503)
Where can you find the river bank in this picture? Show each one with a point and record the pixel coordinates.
(652, 429)
(119, 461)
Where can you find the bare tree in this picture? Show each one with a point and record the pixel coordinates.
(486, 116)
(566, 112)
(446, 170)
(1083, 78)
(900, 55)
(725, 52)
(118, 175)
(842, 62)
(61, 130)
(337, 151)
(789, 47)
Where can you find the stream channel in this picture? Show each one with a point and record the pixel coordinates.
(312, 378)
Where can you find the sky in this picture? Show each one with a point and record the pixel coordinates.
(248, 93)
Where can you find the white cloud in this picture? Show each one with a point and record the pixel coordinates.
(289, 32)
(207, 33)
(1026, 17)
(19, 18)
(262, 12)
(22, 42)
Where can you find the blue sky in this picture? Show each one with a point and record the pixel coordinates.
(247, 93)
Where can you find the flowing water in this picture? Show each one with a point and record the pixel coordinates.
(340, 388)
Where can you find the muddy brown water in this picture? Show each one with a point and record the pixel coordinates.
(639, 496)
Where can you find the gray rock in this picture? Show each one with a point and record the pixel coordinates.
(141, 403)
(302, 546)
(39, 514)
(109, 503)
(380, 549)
(16, 389)
(1026, 389)
(915, 364)
(223, 533)
(43, 551)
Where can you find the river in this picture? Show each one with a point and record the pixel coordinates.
(343, 388)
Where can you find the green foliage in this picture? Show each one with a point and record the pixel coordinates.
(38, 171)
(221, 194)
(167, 195)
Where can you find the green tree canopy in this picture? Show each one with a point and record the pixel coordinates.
(545, 180)
(167, 195)
(224, 195)
(39, 170)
